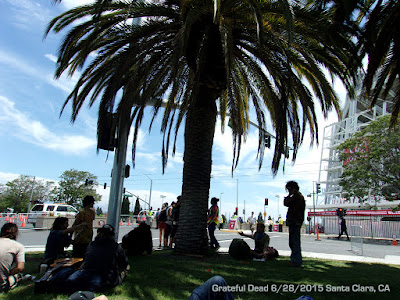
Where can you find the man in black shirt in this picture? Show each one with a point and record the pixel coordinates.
(294, 219)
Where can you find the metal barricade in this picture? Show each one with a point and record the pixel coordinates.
(357, 239)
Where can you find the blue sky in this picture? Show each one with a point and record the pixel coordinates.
(37, 142)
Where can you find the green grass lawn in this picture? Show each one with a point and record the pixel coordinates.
(164, 275)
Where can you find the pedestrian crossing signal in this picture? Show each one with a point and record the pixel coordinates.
(266, 201)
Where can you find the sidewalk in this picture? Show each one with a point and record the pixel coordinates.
(388, 259)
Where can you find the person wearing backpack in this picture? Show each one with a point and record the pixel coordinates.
(162, 217)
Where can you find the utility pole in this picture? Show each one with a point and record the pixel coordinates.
(237, 197)
(30, 199)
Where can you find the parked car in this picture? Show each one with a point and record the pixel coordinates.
(50, 209)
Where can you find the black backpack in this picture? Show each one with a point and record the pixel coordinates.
(239, 249)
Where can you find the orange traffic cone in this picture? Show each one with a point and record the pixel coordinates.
(129, 222)
(394, 242)
(120, 223)
(23, 223)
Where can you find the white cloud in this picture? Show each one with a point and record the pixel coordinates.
(5, 177)
(28, 14)
(64, 83)
(68, 4)
(51, 57)
(21, 125)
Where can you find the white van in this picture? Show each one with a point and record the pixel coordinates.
(51, 209)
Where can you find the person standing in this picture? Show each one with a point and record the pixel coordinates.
(12, 257)
(175, 220)
(157, 215)
(252, 222)
(343, 228)
(270, 224)
(280, 222)
(168, 225)
(84, 235)
(162, 217)
(212, 223)
(294, 219)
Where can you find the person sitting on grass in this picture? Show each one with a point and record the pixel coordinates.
(12, 257)
(105, 264)
(58, 239)
(261, 241)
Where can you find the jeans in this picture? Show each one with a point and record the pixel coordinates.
(294, 244)
(213, 241)
(209, 290)
(84, 280)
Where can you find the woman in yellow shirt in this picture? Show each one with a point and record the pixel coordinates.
(84, 235)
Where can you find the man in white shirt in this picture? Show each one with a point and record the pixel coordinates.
(252, 222)
(12, 257)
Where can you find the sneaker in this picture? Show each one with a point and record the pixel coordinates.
(29, 277)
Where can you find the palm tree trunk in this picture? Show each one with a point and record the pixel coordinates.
(199, 135)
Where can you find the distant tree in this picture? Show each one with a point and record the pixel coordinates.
(137, 207)
(16, 193)
(75, 185)
(371, 162)
(125, 206)
(99, 211)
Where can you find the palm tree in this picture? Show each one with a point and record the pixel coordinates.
(204, 57)
(381, 42)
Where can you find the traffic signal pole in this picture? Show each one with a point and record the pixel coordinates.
(313, 200)
(118, 174)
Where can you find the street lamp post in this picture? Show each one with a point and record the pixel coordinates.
(151, 187)
(277, 196)
(162, 199)
(237, 197)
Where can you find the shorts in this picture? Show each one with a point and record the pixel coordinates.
(173, 230)
(161, 225)
(168, 229)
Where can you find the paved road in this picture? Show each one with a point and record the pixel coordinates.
(327, 247)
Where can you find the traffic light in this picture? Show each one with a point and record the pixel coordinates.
(267, 141)
(105, 185)
(236, 211)
(86, 181)
(127, 170)
(340, 212)
(318, 188)
(266, 201)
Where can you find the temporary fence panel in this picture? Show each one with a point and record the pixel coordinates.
(357, 236)
(370, 220)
